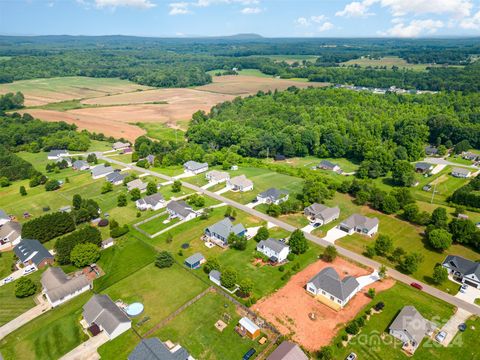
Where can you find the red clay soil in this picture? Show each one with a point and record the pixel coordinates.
(289, 308)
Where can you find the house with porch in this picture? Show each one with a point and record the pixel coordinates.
(181, 210)
(80, 165)
(360, 224)
(152, 202)
(58, 287)
(272, 196)
(57, 154)
(217, 177)
(240, 183)
(137, 184)
(32, 252)
(276, 250)
(321, 214)
(100, 171)
(219, 232)
(119, 145)
(423, 167)
(461, 173)
(194, 167)
(463, 270)
(328, 165)
(154, 349)
(116, 178)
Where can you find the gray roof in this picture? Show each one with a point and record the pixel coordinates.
(179, 207)
(79, 164)
(462, 171)
(423, 166)
(101, 310)
(119, 145)
(274, 244)
(101, 170)
(57, 152)
(10, 227)
(4, 215)
(31, 250)
(194, 165)
(462, 265)
(327, 164)
(152, 199)
(154, 349)
(115, 176)
(357, 220)
(150, 158)
(225, 227)
(241, 181)
(409, 320)
(322, 211)
(218, 175)
(58, 285)
(194, 258)
(431, 150)
(288, 351)
(328, 280)
(273, 194)
(215, 274)
(136, 184)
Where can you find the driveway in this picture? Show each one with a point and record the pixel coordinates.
(308, 229)
(183, 176)
(209, 185)
(438, 168)
(252, 204)
(334, 234)
(441, 161)
(16, 275)
(469, 295)
(368, 279)
(451, 327)
(251, 232)
(221, 191)
(87, 349)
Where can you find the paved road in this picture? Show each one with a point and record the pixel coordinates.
(474, 309)
(442, 161)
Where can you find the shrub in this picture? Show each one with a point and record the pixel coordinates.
(291, 257)
(281, 268)
(119, 231)
(25, 287)
(84, 254)
(52, 185)
(228, 278)
(330, 253)
(298, 243)
(122, 200)
(64, 245)
(371, 293)
(262, 234)
(325, 353)
(352, 328)
(164, 260)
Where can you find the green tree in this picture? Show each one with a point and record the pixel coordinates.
(382, 271)
(274, 210)
(383, 245)
(410, 262)
(330, 253)
(23, 191)
(246, 286)
(237, 242)
(262, 234)
(52, 185)
(325, 353)
(439, 218)
(106, 187)
(228, 211)
(390, 204)
(135, 194)
(164, 260)
(403, 173)
(462, 146)
(228, 279)
(92, 158)
(84, 254)
(298, 243)
(77, 202)
(371, 293)
(122, 200)
(4, 182)
(440, 239)
(25, 287)
(176, 186)
(151, 188)
(462, 230)
(440, 274)
(211, 264)
(410, 212)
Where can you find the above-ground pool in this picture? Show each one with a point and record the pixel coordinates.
(134, 309)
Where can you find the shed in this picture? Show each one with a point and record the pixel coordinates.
(195, 261)
(249, 328)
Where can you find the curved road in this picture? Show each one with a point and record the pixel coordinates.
(474, 309)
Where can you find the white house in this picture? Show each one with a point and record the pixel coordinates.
(100, 311)
(180, 209)
(219, 232)
(152, 202)
(463, 270)
(194, 167)
(461, 173)
(137, 184)
(327, 165)
(217, 177)
(57, 154)
(240, 183)
(10, 234)
(120, 145)
(274, 249)
(80, 165)
(59, 288)
(327, 283)
(215, 277)
(359, 224)
(321, 214)
(272, 196)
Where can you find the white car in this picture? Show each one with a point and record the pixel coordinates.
(29, 270)
(441, 336)
(464, 288)
(8, 280)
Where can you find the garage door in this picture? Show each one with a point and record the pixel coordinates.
(475, 285)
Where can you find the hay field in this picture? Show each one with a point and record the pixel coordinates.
(39, 92)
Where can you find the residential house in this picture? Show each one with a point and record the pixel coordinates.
(431, 151)
(107, 243)
(31, 252)
(154, 349)
(247, 327)
(423, 167)
(100, 171)
(272, 196)
(410, 327)
(240, 183)
(288, 351)
(152, 202)
(10, 234)
(195, 261)
(328, 165)
(195, 167)
(150, 159)
(321, 214)
(120, 145)
(220, 231)
(327, 283)
(58, 287)
(217, 177)
(100, 311)
(461, 173)
(467, 155)
(215, 277)
(66, 159)
(180, 209)
(57, 154)
(463, 270)
(116, 178)
(4, 218)
(80, 165)
(360, 224)
(137, 184)
(276, 250)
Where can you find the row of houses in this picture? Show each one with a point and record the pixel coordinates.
(458, 172)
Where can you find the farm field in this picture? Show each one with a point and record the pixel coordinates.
(39, 92)
(373, 345)
(389, 62)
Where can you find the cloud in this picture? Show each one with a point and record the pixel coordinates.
(325, 27)
(320, 20)
(141, 4)
(356, 9)
(472, 23)
(251, 10)
(179, 8)
(301, 21)
(414, 28)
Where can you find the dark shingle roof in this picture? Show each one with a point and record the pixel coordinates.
(31, 250)
(179, 207)
(58, 285)
(274, 244)
(462, 265)
(357, 220)
(288, 351)
(273, 194)
(115, 177)
(328, 280)
(154, 349)
(104, 312)
(225, 227)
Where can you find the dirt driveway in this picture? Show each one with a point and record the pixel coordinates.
(289, 308)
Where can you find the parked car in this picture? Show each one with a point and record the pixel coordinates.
(441, 336)
(249, 354)
(351, 356)
(29, 270)
(462, 327)
(316, 225)
(8, 280)
(416, 286)
(464, 288)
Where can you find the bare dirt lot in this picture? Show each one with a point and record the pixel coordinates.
(289, 308)
(247, 85)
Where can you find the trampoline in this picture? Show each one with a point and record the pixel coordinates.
(134, 309)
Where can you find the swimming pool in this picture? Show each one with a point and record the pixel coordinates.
(134, 309)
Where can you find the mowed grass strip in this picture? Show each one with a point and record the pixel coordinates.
(50, 336)
(11, 306)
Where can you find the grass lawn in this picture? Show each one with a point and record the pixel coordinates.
(310, 161)
(167, 192)
(96, 145)
(194, 329)
(124, 344)
(161, 131)
(368, 344)
(389, 62)
(6, 261)
(170, 170)
(161, 291)
(157, 224)
(49, 336)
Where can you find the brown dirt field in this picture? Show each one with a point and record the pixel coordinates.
(288, 308)
(247, 85)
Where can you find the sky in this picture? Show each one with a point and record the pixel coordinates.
(269, 18)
